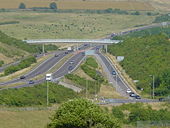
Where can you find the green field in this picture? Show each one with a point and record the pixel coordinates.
(33, 25)
(25, 119)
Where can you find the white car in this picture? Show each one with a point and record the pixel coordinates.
(128, 91)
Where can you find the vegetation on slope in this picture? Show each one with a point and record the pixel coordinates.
(146, 56)
(131, 113)
(90, 61)
(90, 68)
(162, 18)
(23, 64)
(1, 63)
(36, 95)
(21, 44)
(92, 86)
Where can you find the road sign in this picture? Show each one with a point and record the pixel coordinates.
(90, 52)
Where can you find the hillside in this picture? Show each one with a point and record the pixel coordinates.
(9, 54)
(144, 56)
(12, 49)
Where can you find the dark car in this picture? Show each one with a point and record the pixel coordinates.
(56, 55)
(31, 82)
(66, 52)
(70, 68)
(113, 73)
(161, 99)
(137, 97)
(22, 77)
(83, 53)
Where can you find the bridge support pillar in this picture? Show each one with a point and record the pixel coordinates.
(43, 51)
(106, 48)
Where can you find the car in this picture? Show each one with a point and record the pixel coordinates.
(161, 99)
(70, 68)
(128, 91)
(56, 55)
(132, 95)
(31, 82)
(71, 62)
(22, 77)
(113, 73)
(137, 97)
(66, 52)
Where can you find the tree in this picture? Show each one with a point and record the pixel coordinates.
(53, 5)
(81, 113)
(22, 6)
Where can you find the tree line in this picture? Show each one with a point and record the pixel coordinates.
(52, 5)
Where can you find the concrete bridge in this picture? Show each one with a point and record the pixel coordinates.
(104, 42)
(93, 41)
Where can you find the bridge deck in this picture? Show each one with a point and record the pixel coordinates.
(100, 41)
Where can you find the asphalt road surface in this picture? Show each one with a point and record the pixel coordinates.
(116, 80)
(48, 64)
(63, 70)
(112, 101)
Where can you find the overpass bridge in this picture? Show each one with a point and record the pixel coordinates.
(93, 41)
(104, 42)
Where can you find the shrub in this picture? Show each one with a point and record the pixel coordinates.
(1, 63)
(22, 6)
(53, 5)
(81, 113)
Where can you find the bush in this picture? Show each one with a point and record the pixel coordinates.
(1, 63)
(53, 5)
(22, 6)
(135, 13)
(81, 113)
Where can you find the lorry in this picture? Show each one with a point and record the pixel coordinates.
(48, 77)
(69, 49)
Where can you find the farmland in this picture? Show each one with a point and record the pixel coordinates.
(68, 25)
(80, 4)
